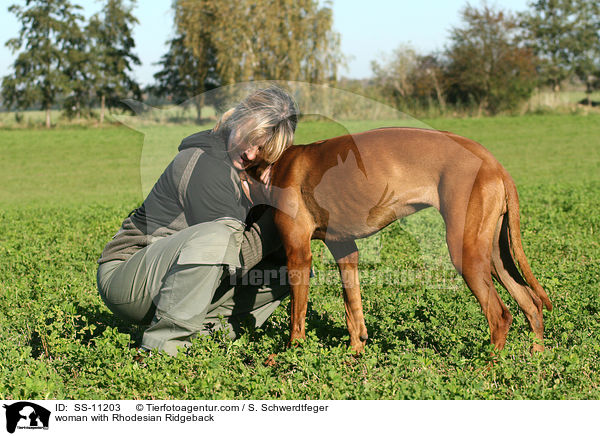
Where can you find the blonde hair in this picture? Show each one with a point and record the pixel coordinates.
(267, 118)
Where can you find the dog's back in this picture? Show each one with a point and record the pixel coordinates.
(354, 185)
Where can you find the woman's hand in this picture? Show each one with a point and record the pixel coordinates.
(265, 178)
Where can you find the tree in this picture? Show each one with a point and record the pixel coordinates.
(49, 29)
(393, 76)
(261, 39)
(179, 78)
(564, 34)
(295, 41)
(110, 33)
(550, 31)
(429, 80)
(487, 65)
(77, 68)
(408, 78)
(586, 47)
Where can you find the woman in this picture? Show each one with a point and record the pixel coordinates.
(173, 262)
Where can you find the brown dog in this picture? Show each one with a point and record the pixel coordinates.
(350, 187)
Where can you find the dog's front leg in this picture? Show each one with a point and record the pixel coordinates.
(296, 228)
(299, 261)
(346, 256)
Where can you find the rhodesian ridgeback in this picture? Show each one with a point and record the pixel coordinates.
(349, 187)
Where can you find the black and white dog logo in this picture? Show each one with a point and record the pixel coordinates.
(26, 415)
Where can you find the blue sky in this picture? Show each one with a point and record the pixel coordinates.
(369, 29)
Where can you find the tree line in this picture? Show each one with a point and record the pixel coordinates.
(493, 61)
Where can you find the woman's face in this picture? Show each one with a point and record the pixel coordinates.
(242, 155)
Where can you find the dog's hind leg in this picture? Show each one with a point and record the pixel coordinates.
(346, 256)
(469, 238)
(479, 280)
(506, 272)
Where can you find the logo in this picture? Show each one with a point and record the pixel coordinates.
(26, 415)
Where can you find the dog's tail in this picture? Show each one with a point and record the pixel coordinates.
(514, 231)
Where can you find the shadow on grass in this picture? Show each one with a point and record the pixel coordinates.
(328, 332)
(104, 319)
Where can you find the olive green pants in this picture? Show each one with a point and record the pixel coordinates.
(184, 284)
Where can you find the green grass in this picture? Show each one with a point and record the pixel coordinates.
(64, 192)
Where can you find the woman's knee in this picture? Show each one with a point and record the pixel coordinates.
(118, 292)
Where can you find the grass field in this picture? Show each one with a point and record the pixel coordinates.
(64, 192)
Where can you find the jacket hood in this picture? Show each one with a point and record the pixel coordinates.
(206, 140)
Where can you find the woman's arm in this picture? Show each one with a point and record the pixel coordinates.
(260, 238)
(213, 192)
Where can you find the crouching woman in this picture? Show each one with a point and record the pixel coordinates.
(170, 265)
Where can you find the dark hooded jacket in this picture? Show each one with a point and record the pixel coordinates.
(199, 185)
